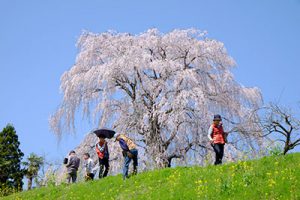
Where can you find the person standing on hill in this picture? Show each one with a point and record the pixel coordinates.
(103, 155)
(72, 167)
(217, 137)
(129, 152)
(88, 166)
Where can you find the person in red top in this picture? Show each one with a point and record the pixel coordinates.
(217, 137)
(103, 155)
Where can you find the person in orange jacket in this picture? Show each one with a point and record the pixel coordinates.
(103, 155)
(217, 137)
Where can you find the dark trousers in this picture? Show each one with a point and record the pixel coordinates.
(71, 176)
(103, 163)
(219, 150)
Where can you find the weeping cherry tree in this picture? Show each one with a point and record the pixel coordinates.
(160, 89)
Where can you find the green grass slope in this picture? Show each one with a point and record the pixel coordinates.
(267, 178)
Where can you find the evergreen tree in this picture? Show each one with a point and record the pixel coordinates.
(11, 174)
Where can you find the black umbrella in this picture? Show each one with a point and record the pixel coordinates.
(105, 133)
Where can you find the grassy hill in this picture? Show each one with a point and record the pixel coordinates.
(267, 178)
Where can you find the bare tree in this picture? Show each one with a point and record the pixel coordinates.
(283, 125)
(161, 89)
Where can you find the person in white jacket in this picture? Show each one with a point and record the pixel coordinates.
(88, 166)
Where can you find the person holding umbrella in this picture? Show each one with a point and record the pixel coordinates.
(103, 155)
(217, 137)
(102, 150)
(129, 152)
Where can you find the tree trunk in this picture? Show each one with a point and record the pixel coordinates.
(29, 183)
(287, 144)
(158, 153)
(155, 143)
(286, 149)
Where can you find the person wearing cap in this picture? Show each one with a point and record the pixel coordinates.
(88, 166)
(217, 137)
(103, 155)
(129, 152)
(72, 167)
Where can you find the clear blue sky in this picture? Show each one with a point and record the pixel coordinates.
(37, 44)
